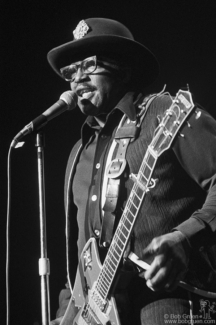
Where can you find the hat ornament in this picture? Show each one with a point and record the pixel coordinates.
(81, 30)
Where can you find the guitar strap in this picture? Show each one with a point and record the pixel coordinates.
(126, 133)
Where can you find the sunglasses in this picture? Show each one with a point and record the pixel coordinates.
(87, 66)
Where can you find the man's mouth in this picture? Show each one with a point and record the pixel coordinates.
(85, 93)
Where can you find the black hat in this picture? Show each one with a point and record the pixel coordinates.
(101, 36)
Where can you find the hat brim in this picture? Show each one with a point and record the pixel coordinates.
(142, 61)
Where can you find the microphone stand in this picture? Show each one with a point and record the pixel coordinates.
(44, 266)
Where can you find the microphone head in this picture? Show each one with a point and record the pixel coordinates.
(70, 98)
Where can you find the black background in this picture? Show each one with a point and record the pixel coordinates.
(182, 34)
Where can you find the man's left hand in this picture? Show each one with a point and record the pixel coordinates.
(170, 254)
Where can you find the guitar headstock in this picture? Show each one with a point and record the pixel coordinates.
(171, 122)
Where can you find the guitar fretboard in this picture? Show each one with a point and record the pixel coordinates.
(125, 225)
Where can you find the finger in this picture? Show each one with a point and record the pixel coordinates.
(156, 247)
(161, 278)
(151, 250)
(158, 262)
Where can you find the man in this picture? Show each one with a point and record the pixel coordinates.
(176, 223)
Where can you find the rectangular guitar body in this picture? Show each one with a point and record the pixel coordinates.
(91, 308)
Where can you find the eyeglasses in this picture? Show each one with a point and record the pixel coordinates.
(87, 66)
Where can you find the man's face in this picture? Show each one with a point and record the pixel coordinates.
(98, 92)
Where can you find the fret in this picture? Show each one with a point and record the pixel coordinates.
(124, 235)
(101, 281)
(132, 201)
(105, 283)
(145, 173)
(113, 257)
(117, 248)
(135, 199)
(111, 264)
(151, 159)
(106, 271)
(150, 167)
(142, 177)
(120, 238)
(119, 242)
(102, 287)
(101, 291)
(138, 191)
(130, 216)
(125, 231)
(109, 269)
(148, 163)
(135, 194)
(104, 294)
(115, 254)
(127, 222)
(131, 207)
(103, 278)
(105, 275)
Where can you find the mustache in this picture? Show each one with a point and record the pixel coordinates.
(84, 85)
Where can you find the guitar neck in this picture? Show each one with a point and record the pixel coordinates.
(125, 225)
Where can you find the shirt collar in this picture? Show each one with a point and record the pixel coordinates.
(125, 105)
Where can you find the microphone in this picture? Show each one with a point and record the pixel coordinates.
(67, 101)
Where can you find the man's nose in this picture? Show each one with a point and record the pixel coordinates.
(80, 75)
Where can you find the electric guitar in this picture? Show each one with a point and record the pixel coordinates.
(92, 294)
